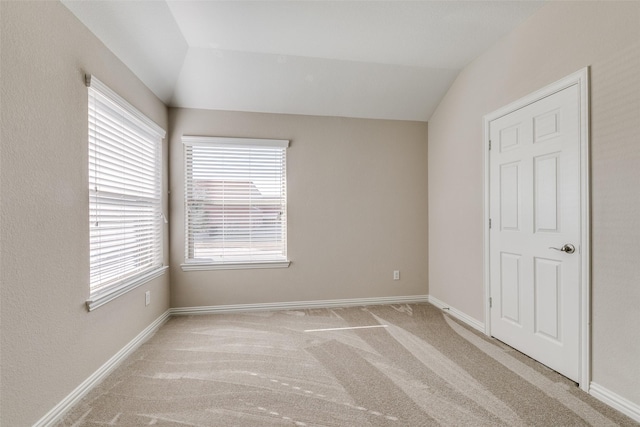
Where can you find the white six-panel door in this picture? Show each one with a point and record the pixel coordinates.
(534, 187)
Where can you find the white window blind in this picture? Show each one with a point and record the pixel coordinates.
(235, 202)
(124, 195)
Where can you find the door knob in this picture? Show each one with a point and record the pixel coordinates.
(568, 248)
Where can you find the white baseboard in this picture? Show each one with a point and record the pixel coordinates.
(627, 407)
(475, 324)
(56, 413)
(296, 305)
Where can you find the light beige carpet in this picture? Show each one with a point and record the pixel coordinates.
(404, 365)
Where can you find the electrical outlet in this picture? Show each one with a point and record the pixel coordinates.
(396, 275)
(147, 298)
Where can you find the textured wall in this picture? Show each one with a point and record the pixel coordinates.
(50, 343)
(357, 210)
(561, 38)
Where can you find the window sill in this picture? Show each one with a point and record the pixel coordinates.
(108, 295)
(201, 266)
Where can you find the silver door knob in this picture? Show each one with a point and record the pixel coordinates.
(568, 248)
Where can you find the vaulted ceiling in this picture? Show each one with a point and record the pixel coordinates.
(369, 59)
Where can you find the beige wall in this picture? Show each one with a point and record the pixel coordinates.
(50, 343)
(559, 39)
(357, 208)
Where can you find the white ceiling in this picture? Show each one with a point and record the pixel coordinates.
(370, 59)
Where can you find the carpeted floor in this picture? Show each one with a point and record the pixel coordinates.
(410, 365)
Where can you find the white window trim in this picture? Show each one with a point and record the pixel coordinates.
(235, 142)
(202, 266)
(195, 265)
(100, 298)
(93, 82)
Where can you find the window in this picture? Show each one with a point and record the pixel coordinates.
(125, 202)
(235, 203)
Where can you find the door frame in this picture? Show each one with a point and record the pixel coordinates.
(581, 78)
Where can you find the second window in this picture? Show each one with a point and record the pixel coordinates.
(235, 202)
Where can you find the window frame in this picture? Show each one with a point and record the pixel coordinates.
(193, 264)
(152, 135)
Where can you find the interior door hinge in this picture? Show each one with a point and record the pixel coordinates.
(489, 222)
(490, 302)
(489, 145)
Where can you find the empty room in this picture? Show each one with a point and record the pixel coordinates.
(319, 213)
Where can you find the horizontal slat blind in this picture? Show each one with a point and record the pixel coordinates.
(124, 192)
(235, 200)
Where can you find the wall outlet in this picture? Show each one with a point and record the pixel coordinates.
(396, 275)
(147, 298)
